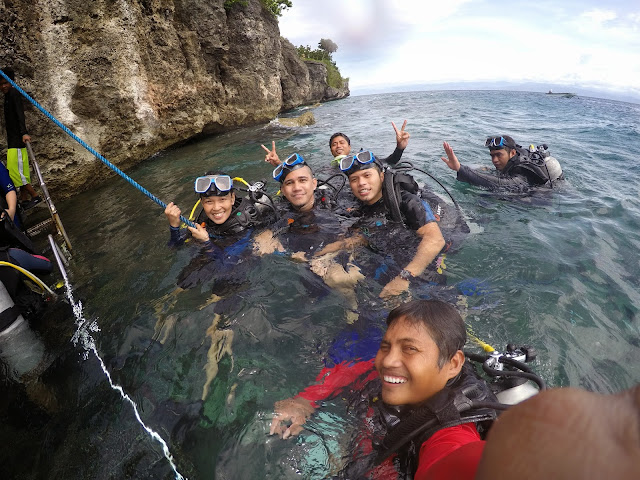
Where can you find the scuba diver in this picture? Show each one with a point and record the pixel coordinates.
(518, 169)
(223, 214)
(379, 197)
(340, 146)
(306, 224)
(223, 229)
(421, 403)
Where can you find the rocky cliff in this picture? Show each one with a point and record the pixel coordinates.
(134, 77)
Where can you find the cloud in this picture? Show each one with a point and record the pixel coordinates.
(400, 42)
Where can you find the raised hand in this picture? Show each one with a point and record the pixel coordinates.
(451, 160)
(402, 137)
(271, 156)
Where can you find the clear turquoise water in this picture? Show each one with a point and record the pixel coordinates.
(560, 272)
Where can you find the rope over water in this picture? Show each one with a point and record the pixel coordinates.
(83, 336)
(90, 149)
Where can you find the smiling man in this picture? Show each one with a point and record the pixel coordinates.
(306, 225)
(366, 180)
(419, 370)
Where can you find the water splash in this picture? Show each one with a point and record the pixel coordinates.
(83, 337)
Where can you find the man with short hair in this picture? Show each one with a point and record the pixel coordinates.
(517, 169)
(340, 146)
(309, 224)
(366, 181)
(17, 135)
(418, 371)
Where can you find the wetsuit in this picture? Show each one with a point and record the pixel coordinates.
(228, 247)
(394, 157)
(448, 453)
(244, 215)
(17, 159)
(392, 240)
(309, 231)
(519, 175)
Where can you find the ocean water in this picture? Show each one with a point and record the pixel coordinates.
(558, 271)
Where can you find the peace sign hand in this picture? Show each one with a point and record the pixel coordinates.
(271, 156)
(402, 137)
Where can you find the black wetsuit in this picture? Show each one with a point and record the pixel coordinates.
(229, 246)
(394, 157)
(14, 119)
(519, 175)
(309, 231)
(244, 216)
(391, 239)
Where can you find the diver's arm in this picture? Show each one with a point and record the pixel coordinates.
(200, 233)
(430, 246)
(515, 183)
(264, 243)
(329, 383)
(394, 157)
(344, 244)
(178, 235)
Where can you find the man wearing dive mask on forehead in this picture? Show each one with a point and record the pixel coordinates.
(517, 169)
(306, 225)
(366, 181)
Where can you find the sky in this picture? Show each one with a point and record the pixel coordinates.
(387, 44)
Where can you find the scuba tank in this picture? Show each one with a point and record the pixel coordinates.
(538, 161)
(449, 218)
(513, 379)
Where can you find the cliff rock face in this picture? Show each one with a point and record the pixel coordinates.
(134, 77)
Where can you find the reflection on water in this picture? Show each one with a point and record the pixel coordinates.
(204, 364)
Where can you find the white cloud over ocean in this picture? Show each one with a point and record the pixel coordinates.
(385, 43)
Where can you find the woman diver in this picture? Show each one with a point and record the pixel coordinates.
(223, 213)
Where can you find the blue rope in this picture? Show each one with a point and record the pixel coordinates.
(90, 149)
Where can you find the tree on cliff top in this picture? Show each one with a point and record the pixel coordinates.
(323, 54)
(277, 6)
(327, 45)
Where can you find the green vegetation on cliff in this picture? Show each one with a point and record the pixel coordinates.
(323, 54)
(276, 7)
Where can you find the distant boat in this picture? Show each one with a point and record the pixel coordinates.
(564, 94)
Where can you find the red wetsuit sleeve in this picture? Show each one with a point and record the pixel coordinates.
(332, 380)
(450, 454)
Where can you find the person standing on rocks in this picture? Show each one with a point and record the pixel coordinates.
(17, 158)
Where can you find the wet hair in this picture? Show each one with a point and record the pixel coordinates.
(442, 321)
(357, 166)
(8, 71)
(338, 134)
(287, 170)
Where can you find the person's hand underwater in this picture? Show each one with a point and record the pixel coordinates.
(295, 410)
